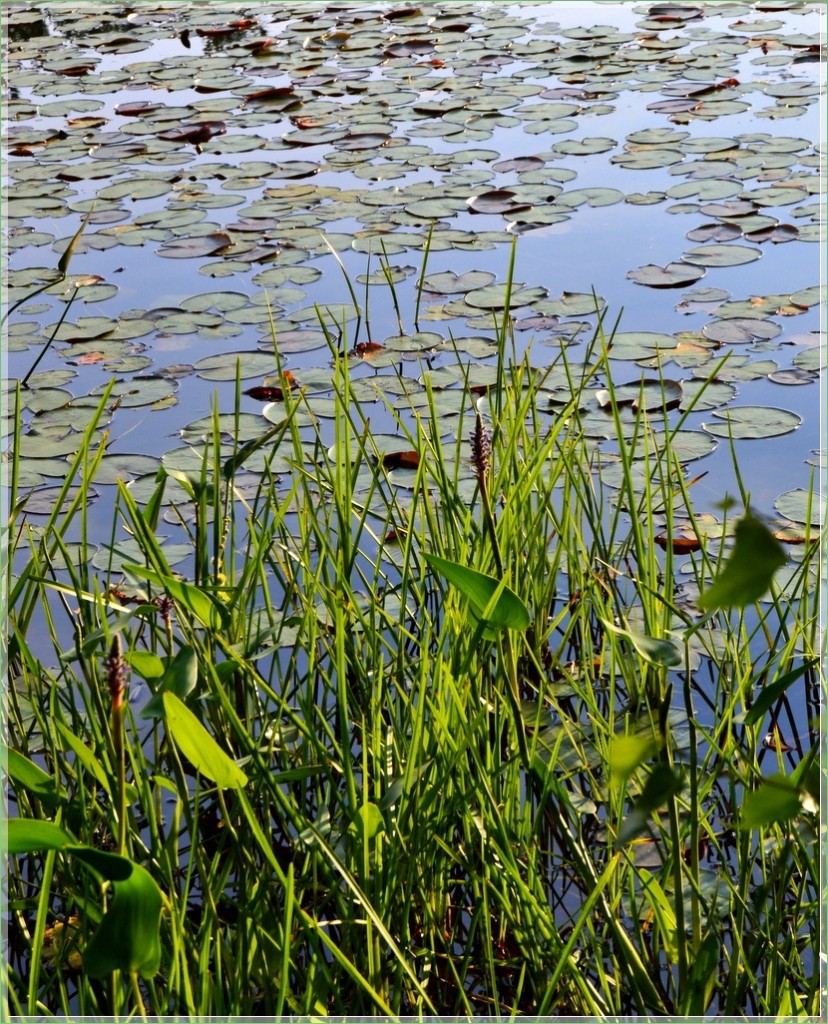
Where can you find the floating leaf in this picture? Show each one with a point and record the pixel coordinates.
(674, 275)
(499, 200)
(721, 255)
(226, 365)
(740, 330)
(640, 344)
(801, 506)
(496, 296)
(753, 422)
(448, 281)
(199, 245)
(650, 394)
(591, 196)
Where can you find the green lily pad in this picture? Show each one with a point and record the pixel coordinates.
(674, 275)
(448, 282)
(739, 330)
(738, 369)
(498, 200)
(140, 391)
(640, 344)
(435, 208)
(495, 296)
(124, 467)
(570, 304)
(810, 360)
(714, 396)
(686, 445)
(128, 551)
(584, 147)
(226, 365)
(653, 395)
(753, 422)
(794, 376)
(721, 255)
(716, 232)
(591, 196)
(801, 506)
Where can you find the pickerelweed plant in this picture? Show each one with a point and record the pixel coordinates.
(488, 721)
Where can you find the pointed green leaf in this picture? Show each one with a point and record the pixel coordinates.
(199, 747)
(701, 983)
(368, 822)
(180, 678)
(195, 600)
(31, 777)
(770, 694)
(626, 753)
(663, 912)
(128, 936)
(776, 800)
(86, 756)
(657, 651)
(490, 598)
(748, 572)
(662, 784)
(26, 836)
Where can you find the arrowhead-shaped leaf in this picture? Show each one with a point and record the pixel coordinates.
(490, 598)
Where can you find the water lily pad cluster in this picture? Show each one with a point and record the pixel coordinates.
(229, 156)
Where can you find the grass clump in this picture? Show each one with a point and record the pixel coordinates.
(415, 732)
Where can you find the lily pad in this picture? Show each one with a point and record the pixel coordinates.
(801, 506)
(640, 344)
(752, 422)
(140, 391)
(496, 296)
(653, 395)
(740, 330)
(498, 200)
(227, 365)
(686, 445)
(124, 467)
(674, 275)
(591, 196)
(721, 255)
(199, 245)
(448, 282)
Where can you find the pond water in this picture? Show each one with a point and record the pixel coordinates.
(664, 156)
